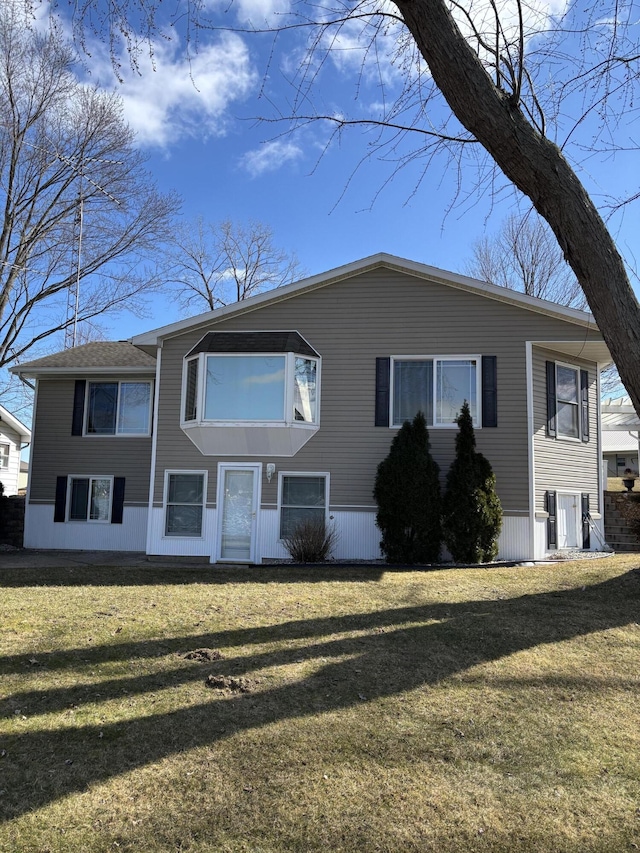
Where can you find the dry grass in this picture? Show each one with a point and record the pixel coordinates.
(614, 484)
(455, 710)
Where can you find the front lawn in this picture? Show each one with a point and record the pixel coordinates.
(349, 709)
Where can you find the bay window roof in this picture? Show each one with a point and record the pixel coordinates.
(248, 342)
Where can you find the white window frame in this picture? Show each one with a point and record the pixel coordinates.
(477, 420)
(287, 419)
(119, 383)
(165, 503)
(90, 478)
(5, 453)
(327, 492)
(183, 395)
(560, 435)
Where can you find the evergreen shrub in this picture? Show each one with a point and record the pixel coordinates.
(471, 509)
(407, 492)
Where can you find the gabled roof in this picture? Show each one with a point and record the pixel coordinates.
(16, 425)
(97, 357)
(378, 261)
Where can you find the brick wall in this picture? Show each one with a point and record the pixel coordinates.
(12, 520)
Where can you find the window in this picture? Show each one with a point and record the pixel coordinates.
(435, 386)
(244, 388)
(302, 497)
(89, 498)
(567, 402)
(118, 408)
(191, 390)
(263, 389)
(4, 455)
(304, 389)
(185, 493)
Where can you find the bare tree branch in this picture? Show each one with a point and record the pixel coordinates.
(64, 147)
(214, 264)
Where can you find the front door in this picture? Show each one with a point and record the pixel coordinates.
(238, 487)
(568, 527)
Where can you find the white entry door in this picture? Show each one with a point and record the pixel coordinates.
(238, 501)
(568, 520)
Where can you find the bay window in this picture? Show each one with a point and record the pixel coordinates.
(251, 393)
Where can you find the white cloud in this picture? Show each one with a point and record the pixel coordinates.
(270, 157)
(178, 96)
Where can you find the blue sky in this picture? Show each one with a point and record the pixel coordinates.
(197, 122)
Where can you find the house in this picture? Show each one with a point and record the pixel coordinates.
(212, 435)
(620, 436)
(23, 477)
(14, 437)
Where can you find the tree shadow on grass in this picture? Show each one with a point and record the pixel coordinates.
(400, 649)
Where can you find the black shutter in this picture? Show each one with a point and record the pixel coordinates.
(552, 526)
(489, 391)
(551, 398)
(586, 528)
(584, 404)
(78, 407)
(61, 499)
(117, 501)
(383, 387)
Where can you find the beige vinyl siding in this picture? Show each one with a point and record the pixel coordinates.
(562, 463)
(350, 323)
(55, 452)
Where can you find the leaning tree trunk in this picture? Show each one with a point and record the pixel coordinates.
(538, 168)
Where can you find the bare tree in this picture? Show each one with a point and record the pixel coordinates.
(79, 212)
(213, 264)
(524, 255)
(518, 83)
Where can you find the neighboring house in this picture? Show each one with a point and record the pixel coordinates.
(14, 436)
(620, 434)
(213, 435)
(23, 478)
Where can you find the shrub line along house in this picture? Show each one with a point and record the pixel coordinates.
(214, 435)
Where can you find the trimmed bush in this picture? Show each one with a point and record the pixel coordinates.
(310, 541)
(407, 491)
(471, 509)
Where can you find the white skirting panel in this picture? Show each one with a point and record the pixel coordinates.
(596, 543)
(268, 535)
(358, 537)
(176, 546)
(40, 531)
(514, 542)
(540, 536)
